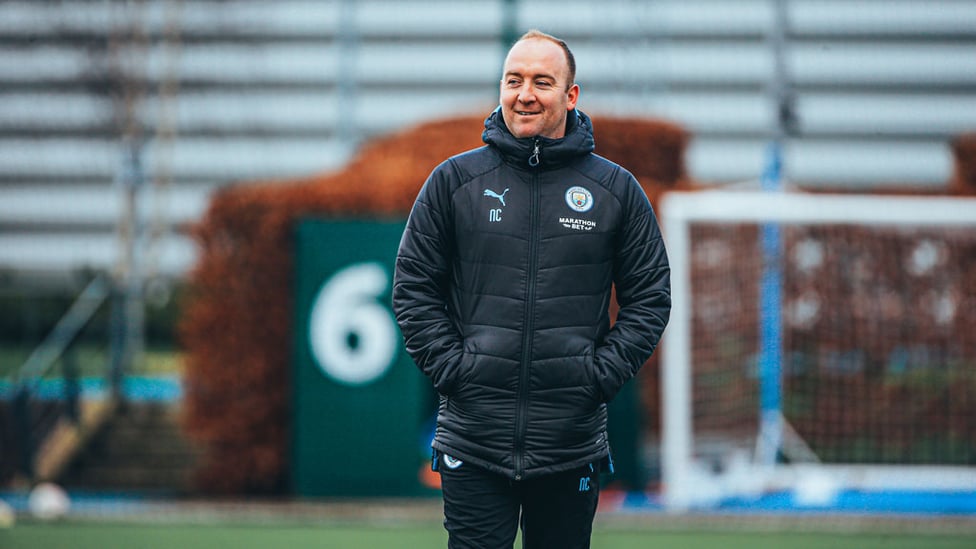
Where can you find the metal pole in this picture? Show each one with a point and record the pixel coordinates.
(509, 30)
(128, 316)
(128, 308)
(348, 48)
(770, 437)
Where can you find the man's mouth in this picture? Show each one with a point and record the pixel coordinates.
(525, 113)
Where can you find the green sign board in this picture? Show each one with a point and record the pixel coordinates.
(358, 403)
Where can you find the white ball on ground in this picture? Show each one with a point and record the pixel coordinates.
(48, 501)
(816, 489)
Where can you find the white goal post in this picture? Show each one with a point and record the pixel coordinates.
(689, 479)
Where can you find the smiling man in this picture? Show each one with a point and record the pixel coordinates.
(538, 88)
(502, 287)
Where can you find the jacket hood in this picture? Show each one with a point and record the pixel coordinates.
(552, 152)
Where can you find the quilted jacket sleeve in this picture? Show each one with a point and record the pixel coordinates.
(423, 268)
(642, 279)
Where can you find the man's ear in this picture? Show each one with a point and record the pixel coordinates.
(573, 94)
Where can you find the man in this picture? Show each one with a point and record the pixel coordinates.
(502, 288)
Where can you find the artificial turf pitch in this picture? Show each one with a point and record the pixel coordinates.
(107, 535)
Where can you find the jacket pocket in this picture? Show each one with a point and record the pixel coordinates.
(593, 375)
(458, 374)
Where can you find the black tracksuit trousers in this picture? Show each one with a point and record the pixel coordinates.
(483, 510)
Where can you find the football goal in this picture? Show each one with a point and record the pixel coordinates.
(819, 343)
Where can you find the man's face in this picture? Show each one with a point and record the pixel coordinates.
(535, 92)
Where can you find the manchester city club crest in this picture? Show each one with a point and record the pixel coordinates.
(579, 199)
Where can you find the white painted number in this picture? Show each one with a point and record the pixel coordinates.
(353, 337)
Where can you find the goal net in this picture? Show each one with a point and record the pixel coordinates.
(818, 344)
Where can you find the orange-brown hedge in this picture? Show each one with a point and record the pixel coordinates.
(963, 181)
(237, 319)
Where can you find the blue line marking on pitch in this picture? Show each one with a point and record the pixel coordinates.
(915, 502)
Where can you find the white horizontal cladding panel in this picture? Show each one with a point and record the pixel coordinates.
(218, 160)
(83, 158)
(314, 63)
(712, 17)
(850, 163)
(228, 110)
(711, 159)
(45, 62)
(173, 255)
(719, 64)
(244, 109)
(859, 63)
(654, 63)
(634, 63)
(859, 163)
(241, 159)
(887, 113)
(427, 17)
(54, 110)
(372, 109)
(698, 112)
(307, 63)
(426, 63)
(608, 17)
(722, 206)
(18, 18)
(254, 18)
(99, 204)
(717, 112)
(883, 16)
(622, 103)
(384, 111)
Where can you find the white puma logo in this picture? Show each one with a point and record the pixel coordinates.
(500, 197)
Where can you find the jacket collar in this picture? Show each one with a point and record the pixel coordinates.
(552, 153)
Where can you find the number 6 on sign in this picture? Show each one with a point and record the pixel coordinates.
(352, 336)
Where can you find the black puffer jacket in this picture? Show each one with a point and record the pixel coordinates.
(502, 290)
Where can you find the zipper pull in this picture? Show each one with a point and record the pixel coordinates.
(534, 159)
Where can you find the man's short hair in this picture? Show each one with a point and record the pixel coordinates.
(570, 59)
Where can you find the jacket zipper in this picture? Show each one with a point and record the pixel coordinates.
(521, 415)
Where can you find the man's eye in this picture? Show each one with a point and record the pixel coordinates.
(543, 84)
(513, 83)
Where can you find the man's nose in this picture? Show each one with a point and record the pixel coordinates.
(526, 94)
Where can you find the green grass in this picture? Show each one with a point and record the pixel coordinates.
(125, 536)
(97, 535)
